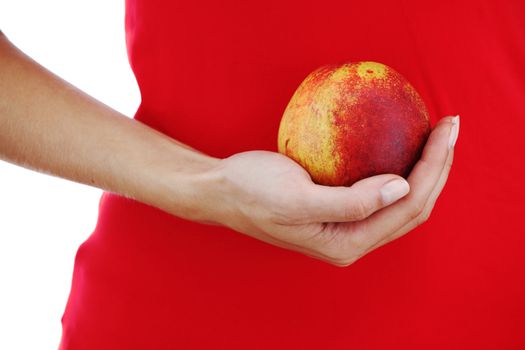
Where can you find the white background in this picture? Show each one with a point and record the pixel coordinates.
(44, 219)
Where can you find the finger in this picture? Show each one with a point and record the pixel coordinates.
(423, 179)
(357, 202)
(429, 205)
(426, 211)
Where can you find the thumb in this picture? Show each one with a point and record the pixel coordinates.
(357, 202)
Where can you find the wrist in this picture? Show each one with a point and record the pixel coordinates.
(184, 185)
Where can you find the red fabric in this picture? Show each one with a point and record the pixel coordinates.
(217, 75)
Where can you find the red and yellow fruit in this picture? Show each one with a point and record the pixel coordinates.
(351, 121)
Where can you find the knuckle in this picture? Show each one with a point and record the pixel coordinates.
(448, 164)
(341, 263)
(346, 259)
(359, 211)
(334, 253)
(417, 209)
(341, 252)
(342, 259)
(354, 242)
(425, 215)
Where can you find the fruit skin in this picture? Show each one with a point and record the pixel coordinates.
(349, 121)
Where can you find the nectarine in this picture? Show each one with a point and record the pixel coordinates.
(350, 121)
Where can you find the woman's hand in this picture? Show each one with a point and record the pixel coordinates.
(270, 197)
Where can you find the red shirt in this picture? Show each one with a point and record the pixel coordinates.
(218, 75)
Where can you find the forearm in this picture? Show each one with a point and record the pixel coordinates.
(50, 126)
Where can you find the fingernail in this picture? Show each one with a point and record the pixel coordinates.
(454, 132)
(393, 190)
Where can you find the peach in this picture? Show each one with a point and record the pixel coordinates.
(350, 121)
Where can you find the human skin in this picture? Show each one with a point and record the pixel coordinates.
(48, 125)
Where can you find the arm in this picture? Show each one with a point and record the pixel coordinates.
(50, 126)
